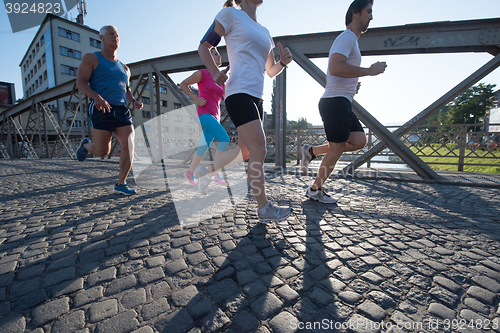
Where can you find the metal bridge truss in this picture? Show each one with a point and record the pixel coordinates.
(425, 38)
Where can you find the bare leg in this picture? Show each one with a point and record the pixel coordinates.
(125, 135)
(356, 141)
(101, 146)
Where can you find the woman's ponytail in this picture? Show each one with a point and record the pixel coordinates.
(231, 3)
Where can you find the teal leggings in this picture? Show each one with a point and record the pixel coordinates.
(211, 129)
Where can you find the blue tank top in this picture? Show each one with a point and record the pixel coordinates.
(109, 80)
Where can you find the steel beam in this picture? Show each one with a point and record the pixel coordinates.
(422, 169)
(472, 79)
(435, 37)
(280, 127)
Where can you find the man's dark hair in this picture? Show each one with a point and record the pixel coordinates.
(356, 7)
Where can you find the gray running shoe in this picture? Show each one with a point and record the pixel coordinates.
(306, 158)
(272, 213)
(320, 196)
(203, 181)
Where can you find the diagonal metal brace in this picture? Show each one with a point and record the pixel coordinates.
(486, 69)
(420, 167)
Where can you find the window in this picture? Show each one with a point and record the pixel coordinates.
(27, 93)
(36, 83)
(69, 70)
(165, 129)
(45, 75)
(164, 103)
(190, 119)
(42, 40)
(163, 90)
(95, 43)
(69, 34)
(178, 130)
(76, 123)
(70, 52)
(35, 69)
(37, 47)
(39, 63)
(165, 116)
(177, 105)
(40, 79)
(191, 130)
(26, 80)
(146, 114)
(43, 58)
(70, 106)
(178, 117)
(145, 100)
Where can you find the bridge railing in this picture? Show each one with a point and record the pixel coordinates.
(451, 147)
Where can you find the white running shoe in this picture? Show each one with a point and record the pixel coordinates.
(320, 196)
(203, 181)
(306, 158)
(272, 213)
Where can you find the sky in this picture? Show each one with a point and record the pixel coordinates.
(155, 28)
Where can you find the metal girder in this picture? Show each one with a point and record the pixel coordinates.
(280, 128)
(25, 144)
(435, 37)
(422, 169)
(475, 77)
(49, 95)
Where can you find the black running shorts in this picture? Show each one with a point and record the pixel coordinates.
(243, 108)
(108, 121)
(338, 119)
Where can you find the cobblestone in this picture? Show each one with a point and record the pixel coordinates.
(74, 257)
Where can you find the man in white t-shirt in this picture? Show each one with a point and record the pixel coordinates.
(343, 129)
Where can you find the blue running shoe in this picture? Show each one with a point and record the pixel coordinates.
(124, 189)
(81, 152)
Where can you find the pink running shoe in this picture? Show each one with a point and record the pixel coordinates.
(218, 179)
(190, 176)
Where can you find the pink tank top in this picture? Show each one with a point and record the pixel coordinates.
(212, 93)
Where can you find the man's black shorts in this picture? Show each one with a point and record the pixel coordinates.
(338, 119)
(243, 108)
(108, 121)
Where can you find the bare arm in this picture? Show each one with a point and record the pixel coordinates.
(272, 68)
(208, 61)
(130, 97)
(194, 78)
(338, 66)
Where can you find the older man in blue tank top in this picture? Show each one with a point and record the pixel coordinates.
(105, 80)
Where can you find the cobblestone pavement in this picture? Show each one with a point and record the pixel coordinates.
(74, 257)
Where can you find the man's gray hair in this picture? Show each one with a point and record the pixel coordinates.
(103, 29)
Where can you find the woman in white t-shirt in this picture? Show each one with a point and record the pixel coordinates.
(250, 51)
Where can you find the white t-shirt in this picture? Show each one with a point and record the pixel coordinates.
(248, 45)
(346, 44)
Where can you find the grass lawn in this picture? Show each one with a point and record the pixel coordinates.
(440, 154)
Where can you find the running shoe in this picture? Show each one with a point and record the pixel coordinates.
(306, 158)
(124, 189)
(320, 196)
(218, 179)
(190, 177)
(81, 152)
(203, 181)
(272, 213)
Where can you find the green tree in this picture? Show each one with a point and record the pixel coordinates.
(302, 123)
(472, 105)
(468, 108)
